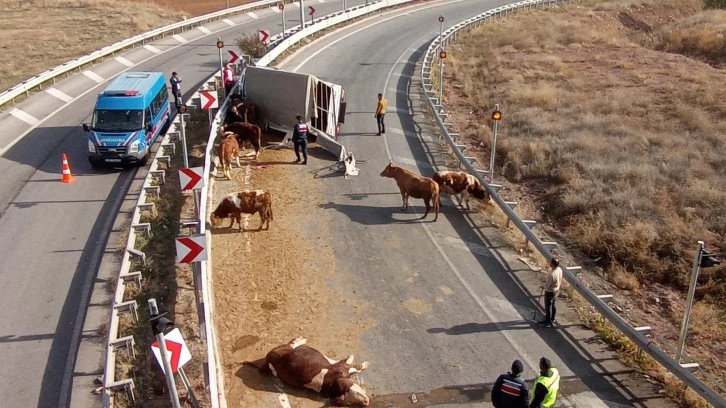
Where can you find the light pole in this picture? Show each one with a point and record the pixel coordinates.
(302, 15)
(442, 55)
(704, 259)
(282, 9)
(159, 323)
(220, 45)
(496, 116)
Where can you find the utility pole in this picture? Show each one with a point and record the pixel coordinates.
(302, 15)
(441, 60)
(496, 116)
(158, 324)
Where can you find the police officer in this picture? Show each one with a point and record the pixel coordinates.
(300, 139)
(544, 389)
(510, 390)
(175, 88)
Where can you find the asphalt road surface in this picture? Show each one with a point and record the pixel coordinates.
(53, 234)
(451, 311)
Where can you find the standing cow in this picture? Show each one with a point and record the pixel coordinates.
(301, 366)
(228, 151)
(244, 202)
(412, 185)
(462, 185)
(245, 131)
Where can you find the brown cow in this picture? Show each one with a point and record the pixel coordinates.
(245, 131)
(245, 202)
(412, 185)
(301, 366)
(228, 151)
(462, 185)
(241, 110)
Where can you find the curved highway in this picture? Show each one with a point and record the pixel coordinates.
(453, 304)
(53, 235)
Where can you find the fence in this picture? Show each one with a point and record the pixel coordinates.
(213, 374)
(637, 334)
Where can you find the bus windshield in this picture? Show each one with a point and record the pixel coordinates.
(107, 120)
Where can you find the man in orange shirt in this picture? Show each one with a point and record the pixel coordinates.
(380, 114)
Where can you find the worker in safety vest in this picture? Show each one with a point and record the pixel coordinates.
(544, 389)
(228, 75)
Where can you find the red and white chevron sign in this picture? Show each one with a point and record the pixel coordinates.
(264, 36)
(208, 99)
(234, 58)
(191, 249)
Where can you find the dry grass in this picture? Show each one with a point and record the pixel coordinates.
(615, 126)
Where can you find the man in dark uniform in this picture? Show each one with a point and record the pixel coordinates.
(175, 88)
(510, 390)
(300, 139)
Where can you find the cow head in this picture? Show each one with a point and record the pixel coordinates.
(351, 394)
(389, 171)
(216, 221)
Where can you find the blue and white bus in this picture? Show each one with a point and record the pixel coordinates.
(130, 113)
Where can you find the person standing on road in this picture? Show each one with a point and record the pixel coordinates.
(300, 139)
(381, 114)
(176, 88)
(228, 75)
(544, 389)
(510, 390)
(551, 291)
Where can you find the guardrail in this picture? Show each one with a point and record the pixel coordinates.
(51, 75)
(636, 334)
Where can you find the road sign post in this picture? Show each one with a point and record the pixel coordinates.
(281, 6)
(191, 248)
(158, 325)
(496, 116)
(312, 14)
(441, 60)
(220, 45)
(302, 15)
(208, 100)
(183, 133)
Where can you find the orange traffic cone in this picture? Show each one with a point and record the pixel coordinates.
(67, 176)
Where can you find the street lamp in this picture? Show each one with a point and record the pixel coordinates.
(496, 117)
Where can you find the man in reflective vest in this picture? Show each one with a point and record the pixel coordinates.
(229, 79)
(544, 389)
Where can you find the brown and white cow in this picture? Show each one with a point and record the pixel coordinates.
(245, 202)
(245, 131)
(228, 151)
(462, 185)
(301, 366)
(412, 185)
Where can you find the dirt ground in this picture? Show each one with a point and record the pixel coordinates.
(274, 285)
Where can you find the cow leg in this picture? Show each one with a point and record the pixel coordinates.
(262, 219)
(466, 197)
(297, 342)
(427, 202)
(237, 158)
(238, 217)
(357, 368)
(437, 206)
(403, 200)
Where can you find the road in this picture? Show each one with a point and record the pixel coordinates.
(53, 234)
(452, 304)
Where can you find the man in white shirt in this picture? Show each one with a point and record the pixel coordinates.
(551, 291)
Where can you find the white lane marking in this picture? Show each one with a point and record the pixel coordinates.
(204, 29)
(179, 38)
(25, 117)
(294, 3)
(283, 398)
(152, 49)
(465, 245)
(253, 15)
(124, 61)
(59, 94)
(275, 9)
(324, 47)
(321, 1)
(94, 76)
(229, 22)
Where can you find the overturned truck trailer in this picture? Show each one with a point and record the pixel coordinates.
(281, 95)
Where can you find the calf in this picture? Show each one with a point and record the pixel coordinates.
(244, 202)
(228, 151)
(412, 185)
(301, 366)
(462, 185)
(245, 131)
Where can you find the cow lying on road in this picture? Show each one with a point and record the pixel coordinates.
(462, 185)
(301, 366)
(412, 185)
(244, 202)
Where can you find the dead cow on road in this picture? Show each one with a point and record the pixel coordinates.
(462, 185)
(228, 151)
(244, 202)
(412, 185)
(301, 366)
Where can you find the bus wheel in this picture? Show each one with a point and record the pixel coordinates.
(144, 160)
